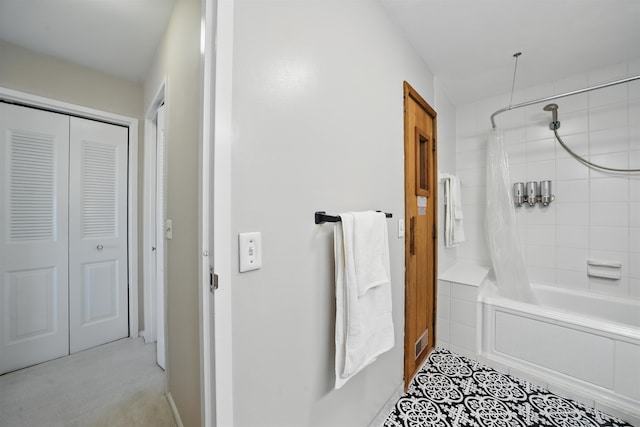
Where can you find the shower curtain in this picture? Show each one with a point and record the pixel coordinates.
(500, 225)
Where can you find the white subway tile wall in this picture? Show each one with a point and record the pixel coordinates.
(446, 164)
(456, 317)
(596, 214)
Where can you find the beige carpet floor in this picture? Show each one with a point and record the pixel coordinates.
(117, 384)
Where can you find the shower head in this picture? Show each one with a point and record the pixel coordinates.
(555, 124)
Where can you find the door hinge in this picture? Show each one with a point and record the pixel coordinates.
(433, 232)
(213, 280)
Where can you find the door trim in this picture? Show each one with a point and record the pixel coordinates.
(131, 123)
(154, 310)
(218, 135)
(148, 210)
(431, 181)
(208, 370)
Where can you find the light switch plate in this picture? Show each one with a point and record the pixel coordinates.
(400, 228)
(168, 229)
(250, 250)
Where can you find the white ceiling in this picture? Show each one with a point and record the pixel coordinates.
(468, 44)
(118, 37)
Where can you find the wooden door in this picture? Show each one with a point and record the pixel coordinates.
(420, 144)
(98, 288)
(34, 156)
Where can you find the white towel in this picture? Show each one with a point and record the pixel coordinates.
(453, 217)
(364, 325)
(370, 250)
(456, 195)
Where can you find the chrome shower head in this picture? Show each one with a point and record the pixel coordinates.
(555, 124)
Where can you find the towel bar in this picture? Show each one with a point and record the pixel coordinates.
(321, 217)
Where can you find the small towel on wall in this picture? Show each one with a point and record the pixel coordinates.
(364, 324)
(453, 217)
(370, 249)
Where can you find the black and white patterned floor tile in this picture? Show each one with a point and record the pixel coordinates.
(451, 391)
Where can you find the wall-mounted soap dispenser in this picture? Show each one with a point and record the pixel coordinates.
(518, 194)
(532, 193)
(546, 196)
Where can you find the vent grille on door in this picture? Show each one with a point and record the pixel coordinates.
(32, 184)
(422, 343)
(99, 190)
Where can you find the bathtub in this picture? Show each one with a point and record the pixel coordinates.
(585, 345)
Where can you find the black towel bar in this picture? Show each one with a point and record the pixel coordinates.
(321, 217)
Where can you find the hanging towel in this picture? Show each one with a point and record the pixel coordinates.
(364, 325)
(370, 250)
(453, 217)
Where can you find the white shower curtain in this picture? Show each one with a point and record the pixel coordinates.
(500, 225)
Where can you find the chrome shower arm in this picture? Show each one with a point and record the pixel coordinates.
(551, 98)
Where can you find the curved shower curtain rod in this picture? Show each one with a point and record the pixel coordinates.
(551, 98)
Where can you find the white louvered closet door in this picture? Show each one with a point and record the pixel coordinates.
(34, 154)
(98, 291)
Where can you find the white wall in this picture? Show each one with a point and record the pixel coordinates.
(595, 214)
(43, 75)
(318, 119)
(178, 60)
(447, 257)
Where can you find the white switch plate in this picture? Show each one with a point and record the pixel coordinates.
(168, 229)
(400, 228)
(250, 249)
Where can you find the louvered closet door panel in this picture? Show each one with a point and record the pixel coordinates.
(34, 155)
(98, 296)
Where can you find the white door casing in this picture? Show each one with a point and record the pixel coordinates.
(217, 182)
(208, 403)
(98, 288)
(149, 222)
(34, 158)
(219, 22)
(154, 254)
(160, 216)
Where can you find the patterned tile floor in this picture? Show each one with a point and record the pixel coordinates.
(451, 390)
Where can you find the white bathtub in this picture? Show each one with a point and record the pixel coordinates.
(583, 344)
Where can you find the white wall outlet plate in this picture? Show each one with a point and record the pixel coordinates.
(250, 250)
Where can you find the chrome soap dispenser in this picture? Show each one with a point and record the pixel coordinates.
(546, 196)
(532, 193)
(518, 194)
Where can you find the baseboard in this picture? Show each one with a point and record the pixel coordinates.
(174, 410)
(388, 406)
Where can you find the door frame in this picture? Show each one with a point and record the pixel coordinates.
(30, 100)
(152, 310)
(215, 212)
(410, 92)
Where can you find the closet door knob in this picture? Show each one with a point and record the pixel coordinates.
(99, 247)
